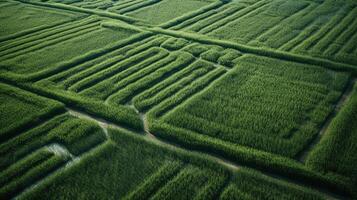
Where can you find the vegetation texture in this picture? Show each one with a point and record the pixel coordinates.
(178, 99)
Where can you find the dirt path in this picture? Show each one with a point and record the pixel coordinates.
(230, 165)
(343, 99)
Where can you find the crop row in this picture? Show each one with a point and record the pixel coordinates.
(26, 158)
(112, 70)
(22, 43)
(288, 26)
(131, 71)
(22, 110)
(39, 68)
(50, 55)
(33, 44)
(28, 171)
(171, 86)
(337, 149)
(257, 103)
(120, 7)
(122, 70)
(306, 97)
(157, 172)
(197, 86)
(182, 61)
(232, 13)
(86, 69)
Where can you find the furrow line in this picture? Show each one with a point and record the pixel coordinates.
(302, 156)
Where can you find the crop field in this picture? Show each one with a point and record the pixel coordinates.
(178, 99)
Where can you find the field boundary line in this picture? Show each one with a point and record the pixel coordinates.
(51, 41)
(233, 165)
(86, 83)
(120, 6)
(138, 6)
(217, 19)
(42, 34)
(236, 16)
(216, 74)
(35, 30)
(96, 53)
(338, 30)
(328, 28)
(128, 79)
(77, 73)
(83, 10)
(162, 142)
(303, 155)
(176, 21)
(283, 21)
(281, 55)
(60, 169)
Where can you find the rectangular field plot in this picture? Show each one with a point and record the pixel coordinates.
(41, 150)
(266, 104)
(325, 29)
(178, 99)
(57, 46)
(162, 11)
(121, 170)
(152, 12)
(21, 109)
(336, 153)
(144, 71)
(18, 19)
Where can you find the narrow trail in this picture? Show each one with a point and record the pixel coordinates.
(58, 149)
(147, 135)
(342, 100)
(102, 123)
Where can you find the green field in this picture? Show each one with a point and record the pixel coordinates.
(178, 99)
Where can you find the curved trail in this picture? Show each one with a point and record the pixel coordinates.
(147, 135)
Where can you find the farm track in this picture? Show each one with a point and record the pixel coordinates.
(337, 107)
(147, 135)
(62, 151)
(231, 165)
(150, 137)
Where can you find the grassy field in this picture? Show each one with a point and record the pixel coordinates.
(178, 99)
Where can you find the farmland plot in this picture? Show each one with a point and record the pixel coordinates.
(30, 19)
(151, 172)
(324, 29)
(262, 104)
(51, 48)
(189, 99)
